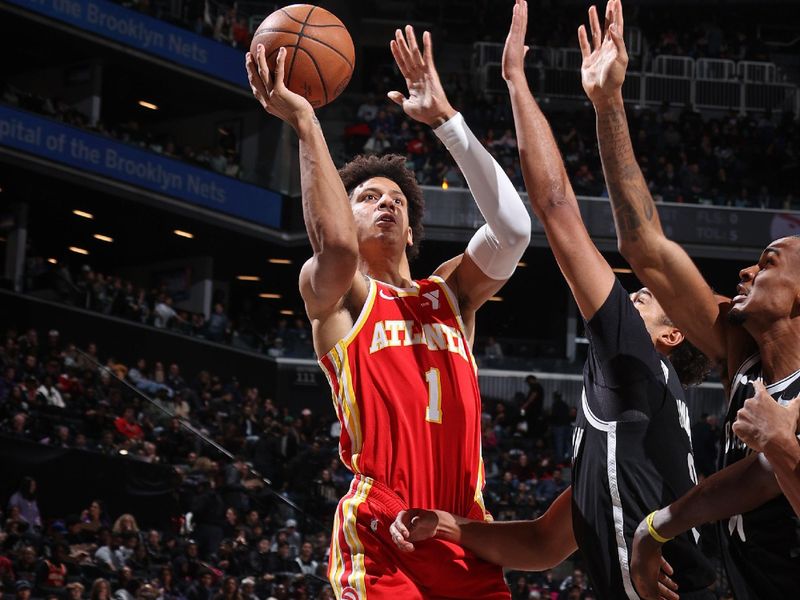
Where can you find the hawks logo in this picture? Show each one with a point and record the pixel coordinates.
(434, 298)
(349, 593)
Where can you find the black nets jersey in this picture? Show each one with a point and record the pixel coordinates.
(761, 548)
(632, 451)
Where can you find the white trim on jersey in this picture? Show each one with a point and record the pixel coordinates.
(593, 420)
(610, 427)
(784, 383)
(741, 374)
(616, 502)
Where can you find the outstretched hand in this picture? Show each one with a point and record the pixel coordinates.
(605, 60)
(426, 101)
(271, 91)
(413, 525)
(515, 48)
(651, 573)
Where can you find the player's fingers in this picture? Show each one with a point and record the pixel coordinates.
(399, 525)
(411, 37)
(664, 593)
(280, 67)
(401, 54)
(427, 49)
(618, 18)
(256, 84)
(583, 42)
(263, 70)
(594, 25)
(667, 582)
(402, 46)
(396, 97)
(609, 16)
(616, 37)
(759, 387)
(666, 567)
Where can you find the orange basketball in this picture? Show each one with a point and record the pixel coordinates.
(319, 50)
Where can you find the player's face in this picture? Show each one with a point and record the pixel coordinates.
(654, 317)
(769, 290)
(381, 212)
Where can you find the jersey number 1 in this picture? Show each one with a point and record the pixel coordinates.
(433, 414)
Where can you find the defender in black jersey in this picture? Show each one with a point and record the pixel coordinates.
(632, 449)
(632, 445)
(756, 525)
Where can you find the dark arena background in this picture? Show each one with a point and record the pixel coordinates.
(164, 425)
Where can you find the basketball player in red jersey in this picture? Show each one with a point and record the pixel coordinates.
(397, 352)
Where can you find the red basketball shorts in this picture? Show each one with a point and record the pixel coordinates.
(365, 564)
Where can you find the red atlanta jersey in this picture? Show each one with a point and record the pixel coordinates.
(405, 390)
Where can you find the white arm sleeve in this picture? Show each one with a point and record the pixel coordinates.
(497, 246)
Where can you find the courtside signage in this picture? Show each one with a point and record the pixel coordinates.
(147, 34)
(103, 156)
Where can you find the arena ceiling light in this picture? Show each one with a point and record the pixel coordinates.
(496, 299)
(280, 261)
(52, 261)
(522, 264)
(248, 278)
(103, 238)
(270, 296)
(83, 213)
(183, 234)
(287, 312)
(147, 105)
(78, 250)
(622, 270)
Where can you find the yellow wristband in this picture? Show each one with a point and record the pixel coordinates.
(652, 530)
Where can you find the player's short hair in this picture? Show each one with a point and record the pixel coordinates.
(691, 365)
(390, 166)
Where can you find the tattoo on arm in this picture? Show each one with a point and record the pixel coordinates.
(630, 198)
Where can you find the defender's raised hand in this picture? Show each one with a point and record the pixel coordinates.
(426, 101)
(270, 90)
(605, 60)
(515, 48)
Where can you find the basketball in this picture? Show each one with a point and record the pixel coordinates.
(319, 50)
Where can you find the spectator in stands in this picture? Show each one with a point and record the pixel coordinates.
(247, 589)
(24, 500)
(26, 564)
(23, 588)
(105, 555)
(101, 590)
(218, 325)
(128, 427)
(94, 517)
(163, 312)
(492, 352)
(17, 427)
(139, 378)
(52, 573)
(75, 591)
(305, 560)
(203, 588)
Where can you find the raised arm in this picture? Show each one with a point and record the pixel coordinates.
(551, 196)
(732, 491)
(495, 249)
(330, 274)
(527, 545)
(662, 265)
